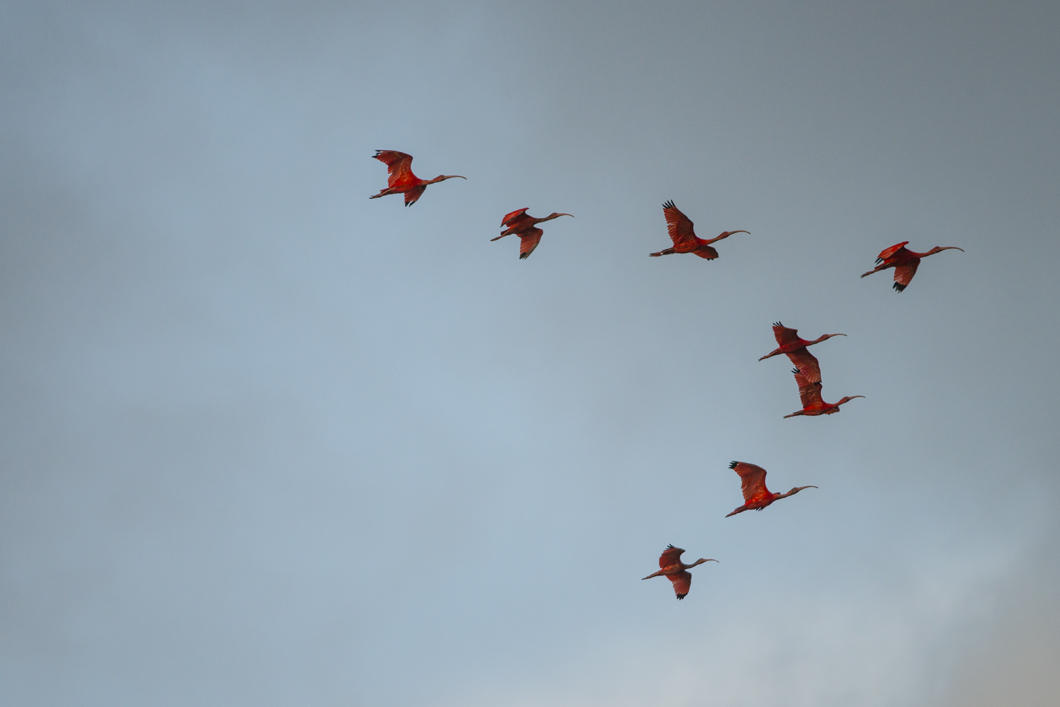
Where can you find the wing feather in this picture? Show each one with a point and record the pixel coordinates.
(528, 240)
(510, 217)
(670, 556)
(398, 164)
(752, 480)
(682, 583)
(680, 226)
(903, 274)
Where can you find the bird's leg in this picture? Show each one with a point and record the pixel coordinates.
(668, 251)
(876, 269)
(653, 574)
(741, 509)
(384, 192)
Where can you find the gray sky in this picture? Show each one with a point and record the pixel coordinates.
(267, 442)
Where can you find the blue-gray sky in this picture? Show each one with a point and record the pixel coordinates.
(267, 442)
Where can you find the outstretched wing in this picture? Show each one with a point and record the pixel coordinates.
(528, 241)
(398, 164)
(413, 193)
(682, 583)
(809, 391)
(807, 363)
(511, 217)
(903, 274)
(889, 252)
(752, 478)
(706, 252)
(785, 335)
(670, 556)
(680, 227)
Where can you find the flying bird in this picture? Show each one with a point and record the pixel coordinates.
(524, 225)
(401, 180)
(904, 261)
(676, 571)
(810, 394)
(684, 238)
(795, 348)
(753, 484)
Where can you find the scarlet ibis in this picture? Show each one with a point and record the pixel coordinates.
(810, 394)
(753, 484)
(401, 180)
(904, 261)
(524, 225)
(684, 237)
(676, 571)
(795, 348)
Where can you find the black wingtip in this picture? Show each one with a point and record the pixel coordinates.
(669, 204)
(898, 287)
(524, 256)
(777, 324)
(681, 596)
(796, 371)
(670, 546)
(732, 464)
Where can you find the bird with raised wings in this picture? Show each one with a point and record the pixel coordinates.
(676, 571)
(904, 261)
(753, 484)
(524, 225)
(791, 344)
(810, 395)
(401, 180)
(684, 237)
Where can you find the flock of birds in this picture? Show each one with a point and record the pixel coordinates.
(807, 369)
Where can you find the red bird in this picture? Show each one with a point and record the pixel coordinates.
(676, 571)
(795, 348)
(401, 180)
(755, 493)
(904, 261)
(523, 225)
(810, 394)
(684, 238)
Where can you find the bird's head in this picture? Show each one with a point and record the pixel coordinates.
(847, 399)
(443, 177)
(796, 489)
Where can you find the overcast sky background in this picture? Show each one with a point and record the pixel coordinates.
(267, 442)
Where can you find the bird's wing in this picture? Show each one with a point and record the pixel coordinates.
(670, 556)
(413, 193)
(903, 274)
(752, 479)
(785, 335)
(682, 583)
(706, 252)
(807, 363)
(528, 240)
(510, 217)
(888, 252)
(398, 164)
(679, 225)
(809, 392)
